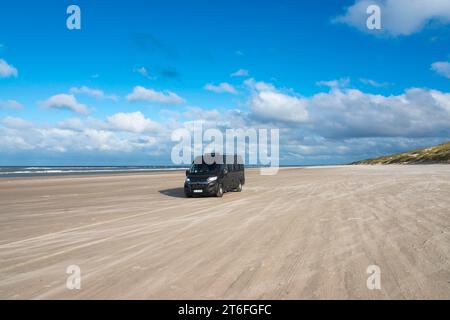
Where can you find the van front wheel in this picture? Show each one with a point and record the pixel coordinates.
(239, 187)
(219, 192)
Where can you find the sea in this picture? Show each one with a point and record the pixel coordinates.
(34, 171)
(40, 171)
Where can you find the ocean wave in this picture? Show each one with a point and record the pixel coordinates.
(33, 171)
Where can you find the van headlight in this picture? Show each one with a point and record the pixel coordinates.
(188, 180)
(211, 179)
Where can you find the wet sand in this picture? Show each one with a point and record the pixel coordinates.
(306, 233)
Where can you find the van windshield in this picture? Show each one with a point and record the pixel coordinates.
(205, 168)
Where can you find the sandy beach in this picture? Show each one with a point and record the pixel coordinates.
(306, 233)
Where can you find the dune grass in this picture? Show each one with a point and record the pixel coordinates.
(436, 154)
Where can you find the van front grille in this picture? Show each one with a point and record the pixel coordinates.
(197, 186)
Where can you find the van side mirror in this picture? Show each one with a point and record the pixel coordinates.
(187, 172)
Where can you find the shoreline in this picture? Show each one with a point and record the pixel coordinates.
(13, 175)
(172, 170)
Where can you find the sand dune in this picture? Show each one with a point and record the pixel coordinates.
(302, 234)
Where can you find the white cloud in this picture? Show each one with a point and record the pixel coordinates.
(338, 125)
(7, 70)
(352, 113)
(240, 73)
(48, 138)
(259, 85)
(10, 104)
(16, 123)
(398, 17)
(202, 114)
(132, 122)
(65, 102)
(442, 68)
(95, 93)
(143, 94)
(338, 83)
(221, 88)
(276, 106)
(374, 83)
(269, 104)
(143, 72)
(11, 141)
(71, 123)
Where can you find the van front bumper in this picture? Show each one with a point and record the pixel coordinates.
(199, 188)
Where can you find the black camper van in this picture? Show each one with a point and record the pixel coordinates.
(214, 174)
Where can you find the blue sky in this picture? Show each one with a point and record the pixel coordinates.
(364, 92)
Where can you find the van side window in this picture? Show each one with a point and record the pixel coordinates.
(230, 167)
